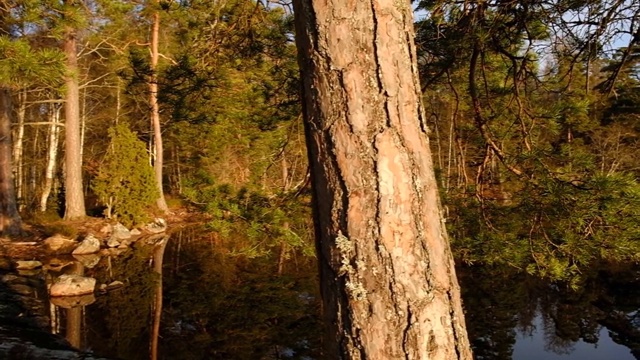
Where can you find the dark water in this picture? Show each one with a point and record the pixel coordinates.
(219, 306)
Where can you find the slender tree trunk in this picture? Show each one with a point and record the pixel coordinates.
(155, 111)
(158, 259)
(18, 147)
(52, 155)
(387, 276)
(74, 197)
(10, 222)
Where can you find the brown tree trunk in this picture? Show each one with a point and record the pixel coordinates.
(155, 112)
(387, 276)
(10, 222)
(74, 197)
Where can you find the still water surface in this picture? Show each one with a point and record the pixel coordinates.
(218, 306)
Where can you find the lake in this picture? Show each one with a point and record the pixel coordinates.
(216, 305)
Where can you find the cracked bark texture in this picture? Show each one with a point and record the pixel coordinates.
(10, 222)
(74, 195)
(386, 271)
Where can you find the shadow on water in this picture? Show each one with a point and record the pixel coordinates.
(216, 305)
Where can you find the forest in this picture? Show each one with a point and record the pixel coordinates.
(532, 110)
(128, 110)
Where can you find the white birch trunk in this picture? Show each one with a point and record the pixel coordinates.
(52, 155)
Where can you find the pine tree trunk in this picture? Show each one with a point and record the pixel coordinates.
(10, 222)
(155, 112)
(74, 197)
(387, 276)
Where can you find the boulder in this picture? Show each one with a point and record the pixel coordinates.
(28, 264)
(57, 265)
(90, 245)
(89, 261)
(157, 226)
(113, 242)
(59, 244)
(72, 285)
(120, 232)
(135, 232)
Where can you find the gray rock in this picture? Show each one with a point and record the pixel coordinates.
(120, 232)
(57, 265)
(59, 244)
(90, 245)
(113, 242)
(157, 226)
(28, 264)
(30, 272)
(72, 285)
(89, 261)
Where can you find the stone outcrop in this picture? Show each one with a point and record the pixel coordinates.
(157, 226)
(28, 264)
(59, 244)
(90, 245)
(72, 285)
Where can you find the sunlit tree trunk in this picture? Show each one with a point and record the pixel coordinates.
(74, 197)
(18, 147)
(387, 276)
(155, 111)
(10, 222)
(52, 155)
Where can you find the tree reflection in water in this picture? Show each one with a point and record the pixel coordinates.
(500, 304)
(220, 306)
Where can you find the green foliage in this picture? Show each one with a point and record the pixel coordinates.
(20, 64)
(125, 183)
(61, 229)
(259, 225)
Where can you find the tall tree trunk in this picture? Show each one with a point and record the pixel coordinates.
(155, 111)
(74, 197)
(10, 222)
(18, 146)
(52, 155)
(387, 276)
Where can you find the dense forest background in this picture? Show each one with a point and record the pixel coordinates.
(533, 108)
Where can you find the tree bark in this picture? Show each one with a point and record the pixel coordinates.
(387, 276)
(155, 112)
(10, 222)
(18, 146)
(74, 196)
(52, 155)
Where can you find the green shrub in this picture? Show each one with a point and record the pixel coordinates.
(125, 183)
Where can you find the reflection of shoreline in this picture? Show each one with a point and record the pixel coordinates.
(528, 345)
(515, 316)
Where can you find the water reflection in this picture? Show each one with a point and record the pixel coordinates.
(507, 311)
(204, 303)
